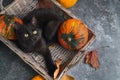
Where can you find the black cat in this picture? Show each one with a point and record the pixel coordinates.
(47, 19)
(39, 27)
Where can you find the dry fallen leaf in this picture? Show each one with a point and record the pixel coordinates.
(92, 59)
(58, 63)
(65, 76)
(87, 58)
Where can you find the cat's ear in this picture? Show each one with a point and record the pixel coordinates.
(34, 21)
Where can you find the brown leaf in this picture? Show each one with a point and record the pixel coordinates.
(44, 4)
(92, 59)
(87, 58)
(58, 63)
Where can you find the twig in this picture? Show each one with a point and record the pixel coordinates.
(101, 47)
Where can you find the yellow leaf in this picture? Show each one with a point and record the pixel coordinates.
(58, 63)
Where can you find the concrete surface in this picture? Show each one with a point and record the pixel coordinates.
(103, 16)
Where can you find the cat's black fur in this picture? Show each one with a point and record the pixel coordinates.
(46, 23)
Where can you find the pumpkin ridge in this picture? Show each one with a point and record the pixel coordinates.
(3, 30)
(6, 35)
(81, 40)
(8, 20)
(18, 20)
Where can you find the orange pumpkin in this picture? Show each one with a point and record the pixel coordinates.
(67, 3)
(73, 34)
(7, 25)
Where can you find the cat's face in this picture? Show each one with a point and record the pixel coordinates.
(28, 35)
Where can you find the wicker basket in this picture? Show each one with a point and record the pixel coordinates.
(70, 58)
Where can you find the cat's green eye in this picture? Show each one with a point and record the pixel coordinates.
(26, 35)
(34, 32)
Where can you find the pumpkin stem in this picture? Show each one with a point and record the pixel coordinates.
(69, 39)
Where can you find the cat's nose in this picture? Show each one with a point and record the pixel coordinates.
(33, 39)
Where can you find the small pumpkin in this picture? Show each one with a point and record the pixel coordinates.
(67, 3)
(73, 34)
(7, 25)
(37, 77)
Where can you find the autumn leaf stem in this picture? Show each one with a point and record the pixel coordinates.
(101, 47)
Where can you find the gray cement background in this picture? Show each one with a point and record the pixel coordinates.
(103, 16)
